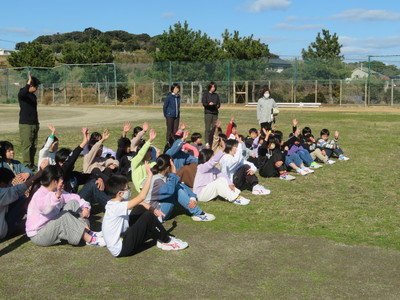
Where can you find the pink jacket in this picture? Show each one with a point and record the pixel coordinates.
(45, 206)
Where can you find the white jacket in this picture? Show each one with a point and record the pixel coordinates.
(264, 109)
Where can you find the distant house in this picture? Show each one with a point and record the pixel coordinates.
(6, 52)
(278, 65)
(359, 73)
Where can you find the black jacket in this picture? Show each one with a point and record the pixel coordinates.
(28, 107)
(211, 109)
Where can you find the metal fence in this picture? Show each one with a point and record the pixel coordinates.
(290, 80)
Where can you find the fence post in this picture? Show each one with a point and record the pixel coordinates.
(200, 91)
(269, 84)
(246, 98)
(134, 93)
(366, 93)
(191, 92)
(65, 84)
(316, 91)
(253, 92)
(98, 92)
(153, 93)
(115, 84)
(341, 92)
(234, 92)
(81, 92)
(8, 85)
(392, 94)
(53, 94)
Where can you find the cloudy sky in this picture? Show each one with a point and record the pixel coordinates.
(365, 27)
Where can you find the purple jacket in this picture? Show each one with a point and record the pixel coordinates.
(294, 149)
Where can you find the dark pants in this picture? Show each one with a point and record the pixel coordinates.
(91, 193)
(143, 224)
(172, 127)
(209, 123)
(28, 135)
(267, 167)
(266, 125)
(242, 180)
(329, 152)
(15, 214)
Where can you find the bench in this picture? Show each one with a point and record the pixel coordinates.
(288, 104)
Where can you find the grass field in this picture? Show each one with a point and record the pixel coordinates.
(332, 234)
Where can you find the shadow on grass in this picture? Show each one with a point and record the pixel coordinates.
(14, 245)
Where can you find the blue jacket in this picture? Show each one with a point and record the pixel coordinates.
(180, 158)
(172, 106)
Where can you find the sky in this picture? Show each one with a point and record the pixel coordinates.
(287, 26)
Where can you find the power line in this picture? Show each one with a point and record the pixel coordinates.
(8, 41)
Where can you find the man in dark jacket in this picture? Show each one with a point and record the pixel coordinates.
(28, 121)
(211, 105)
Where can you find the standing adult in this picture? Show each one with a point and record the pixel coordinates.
(211, 105)
(28, 121)
(265, 110)
(172, 106)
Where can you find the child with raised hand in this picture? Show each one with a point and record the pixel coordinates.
(133, 220)
(54, 215)
(231, 130)
(142, 156)
(124, 153)
(238, 170)
(138, 134)
(166, 191)
(331, 146)
(210, 182)
(50, 147)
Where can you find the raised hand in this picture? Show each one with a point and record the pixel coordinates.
(231, 119)
(295, 122)
(145, 126)
(218, 123)
(106, 135)
(185, 135)
(152, 135)
(127, 127)
(336, 134)
(52, 128)
(183, 126)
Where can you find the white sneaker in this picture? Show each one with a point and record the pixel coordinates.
(287, 177)
(308, 170)
(258, 189)
(173, 244)
(206, 217)
(99, 241)
(301, 172)
(330, 162)
(315, 166)
(241, 201)
(342, 157)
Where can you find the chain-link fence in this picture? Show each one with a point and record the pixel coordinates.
(349, 82)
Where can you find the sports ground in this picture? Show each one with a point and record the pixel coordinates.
(332, 234)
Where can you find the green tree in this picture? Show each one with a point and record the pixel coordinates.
(323, 61)
(32, 54)
(94, 51)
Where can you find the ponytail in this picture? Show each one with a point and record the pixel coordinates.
(163, 162)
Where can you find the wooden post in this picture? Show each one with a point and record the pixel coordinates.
(269, 84)
(234, 92)
(98, 92)
(253, 92)
(292, 95)
(316, 91)
(53, 94)
(341, 92)
(65, 94)
(191, 92)
(200, 91)
(366, 93)
(154, 94)
(81, 93)
(392, 94)
(246, 89)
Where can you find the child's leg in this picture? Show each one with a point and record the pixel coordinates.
(15, 214)
(166, 206)
(218, 187)
(318, 155)
(184, 200)
(294, 161)
(64, 227)
(306, 157)
(328, 152)
(91, 193)
(240, 178)
(146, 225)
(338, 151)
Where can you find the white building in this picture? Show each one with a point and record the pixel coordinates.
(6, 52)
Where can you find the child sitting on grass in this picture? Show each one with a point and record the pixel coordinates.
(166, 191)
(238, 170)
(21, 172)
(330, 146)
(55, 215)
(127, 224)
(210, 182)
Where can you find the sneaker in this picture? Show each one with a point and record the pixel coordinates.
(330, 162)
(342, 157)
(286, 176)
(308, 170)
(258, 189)
(173, 244)
(205, 217)
(96, 233)
(301, 172)
(314, 165)
(241, 201)
(97, 241)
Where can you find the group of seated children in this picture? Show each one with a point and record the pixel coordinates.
(185, 174)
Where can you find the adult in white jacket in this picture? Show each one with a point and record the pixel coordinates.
(240, 171)
(265, 114)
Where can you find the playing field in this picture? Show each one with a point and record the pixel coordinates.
(332, 234)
